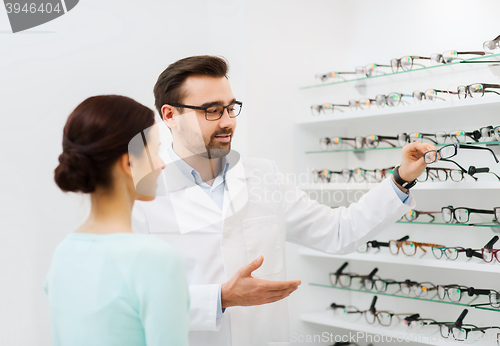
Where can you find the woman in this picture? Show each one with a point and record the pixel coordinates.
(106, 285)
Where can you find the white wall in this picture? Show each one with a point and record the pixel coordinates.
(120, 47)
(99, 47)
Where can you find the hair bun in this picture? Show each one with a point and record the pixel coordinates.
(75, 173)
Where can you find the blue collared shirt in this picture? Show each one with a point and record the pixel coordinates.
(215, 192)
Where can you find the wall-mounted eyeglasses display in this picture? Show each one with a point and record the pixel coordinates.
(450, 56)
(358, 175)
(371, 141)
(449, 151)
(406, 63)
(452, 253)
(327, 108)
(476, 90)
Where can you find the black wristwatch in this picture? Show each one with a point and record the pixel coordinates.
(404, 184)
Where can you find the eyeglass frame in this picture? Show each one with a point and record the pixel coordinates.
(457, 146)
(469, 211)
(484, 86)
(224, 108)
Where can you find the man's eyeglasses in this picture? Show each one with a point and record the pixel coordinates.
(406, 63)
(391, 100)
(448, 56)
(476, 90)
(213, 113)
(327, 108)
(451, 150)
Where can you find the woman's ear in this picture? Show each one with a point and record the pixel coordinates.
(125, 165)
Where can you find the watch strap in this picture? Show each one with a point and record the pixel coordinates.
(404, 184)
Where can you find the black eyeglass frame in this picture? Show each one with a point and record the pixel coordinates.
(224, 108)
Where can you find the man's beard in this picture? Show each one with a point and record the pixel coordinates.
(215, 149)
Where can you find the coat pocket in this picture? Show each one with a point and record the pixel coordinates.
(263, 237)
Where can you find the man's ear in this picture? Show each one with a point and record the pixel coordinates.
(167, 112)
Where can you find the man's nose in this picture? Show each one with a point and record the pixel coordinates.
(226, 120)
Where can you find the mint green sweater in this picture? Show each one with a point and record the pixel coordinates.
(119, 289)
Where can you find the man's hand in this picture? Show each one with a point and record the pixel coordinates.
(244, 290)
(412, 161)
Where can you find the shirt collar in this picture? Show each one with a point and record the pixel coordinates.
(189, 171)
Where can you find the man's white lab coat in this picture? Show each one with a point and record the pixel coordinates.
(261, 212)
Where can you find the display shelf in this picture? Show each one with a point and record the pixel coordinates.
(486, 104)
(406, 297)
(420, 186)
(492, 57)
(426, 261)
(477, 224)
(392, 148)
(327, 319)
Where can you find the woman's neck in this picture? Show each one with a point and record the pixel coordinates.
(111, 212)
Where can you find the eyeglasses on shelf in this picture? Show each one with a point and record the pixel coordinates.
(430, 95)
(330, 75)
(476, 90)
(462, 214)
(406, 63)
(412, 215)
(327, 108)
(456, 175)
(373, 244)
(369, 70)
(361, 104)
(409, 248)
(491, 45)
(391, 100)
(450, 56)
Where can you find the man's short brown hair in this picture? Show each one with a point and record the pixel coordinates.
(169, 87)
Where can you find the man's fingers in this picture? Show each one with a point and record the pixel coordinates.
(282, 285)
(280, 296)
(252, 266)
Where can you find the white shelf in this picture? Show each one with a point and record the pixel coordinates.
(450, 107)
(327, 319)
(426, 261)
(447, 185)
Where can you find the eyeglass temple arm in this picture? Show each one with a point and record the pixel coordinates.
(464, 146)
(474, 52)
(342, 267)
(372, 306)
(473, 170)
(471, 291)
(473, 253)
(447, 91)
(481, 211)
(492, 242)
(458, 323)
(372, 274)
(420, 57)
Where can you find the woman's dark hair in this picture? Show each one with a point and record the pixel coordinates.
(97, 133)
(168, 89)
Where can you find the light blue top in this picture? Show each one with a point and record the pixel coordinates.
(121, 289)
